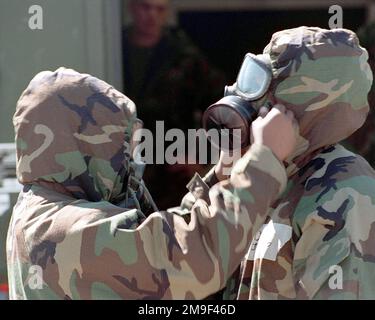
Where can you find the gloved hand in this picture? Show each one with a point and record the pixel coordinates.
(277, 129)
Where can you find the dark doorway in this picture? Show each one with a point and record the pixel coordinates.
(225, 37)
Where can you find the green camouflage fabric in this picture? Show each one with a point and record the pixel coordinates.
(318, 242)
(69, 238)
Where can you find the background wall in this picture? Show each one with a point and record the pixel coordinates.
(74, 35)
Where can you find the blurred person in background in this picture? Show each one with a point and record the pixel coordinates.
(363, 140)
(170, 80)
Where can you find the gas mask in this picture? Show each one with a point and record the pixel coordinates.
(240, 105)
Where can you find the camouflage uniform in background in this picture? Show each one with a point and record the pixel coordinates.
(325, 219)
(363, 140)
(73, 136)
(177, 84)
(178, 81)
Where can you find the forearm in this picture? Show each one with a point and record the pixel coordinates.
(224, 219)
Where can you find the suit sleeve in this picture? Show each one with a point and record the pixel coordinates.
(166, 257)
(334, 256)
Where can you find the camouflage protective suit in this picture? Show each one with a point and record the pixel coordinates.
(73, 135)
(319, 239)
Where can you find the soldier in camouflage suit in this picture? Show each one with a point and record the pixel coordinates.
(319, 239)
(74, 137)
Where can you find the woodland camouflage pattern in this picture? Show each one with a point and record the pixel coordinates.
(326, 216)
(73, 136)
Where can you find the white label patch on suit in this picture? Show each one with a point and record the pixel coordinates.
(268, 241)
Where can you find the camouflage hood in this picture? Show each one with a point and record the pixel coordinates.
(324, 220)
(322, 76)
(72, 135)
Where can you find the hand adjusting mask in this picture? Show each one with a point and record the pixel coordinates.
(238, 108)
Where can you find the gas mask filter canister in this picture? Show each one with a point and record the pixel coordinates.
(237, 109)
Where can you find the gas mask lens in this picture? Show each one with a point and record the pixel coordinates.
(254, 77)
(233, 114)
